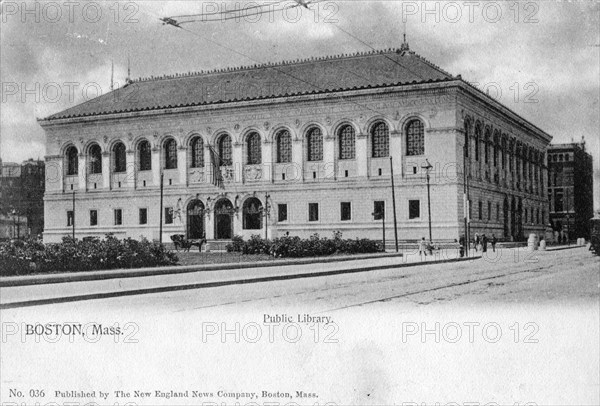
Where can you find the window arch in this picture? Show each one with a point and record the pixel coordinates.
(119, 157)
(252, 210)
(170, 151)
(253, 149)
(467, 136)
(346, 142)
(197, 150)
(380, 140)
(477, 140)
(145, 155)
(415, 138)
(314, 141)
(72, 156)
(486, 145)
(284, 146)
(95, 153)
(225, 153)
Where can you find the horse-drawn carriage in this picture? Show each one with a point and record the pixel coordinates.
(179, 240)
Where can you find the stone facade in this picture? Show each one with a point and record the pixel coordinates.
(446, 110)
(570, 189)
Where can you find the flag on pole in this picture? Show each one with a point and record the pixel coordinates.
(217, 176)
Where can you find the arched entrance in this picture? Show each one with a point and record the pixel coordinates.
(505, 210)
(195, 220)
(223, 219)
(513, 219)
(253, 214)
(520, 235)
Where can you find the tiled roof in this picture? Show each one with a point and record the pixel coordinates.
(311, 76)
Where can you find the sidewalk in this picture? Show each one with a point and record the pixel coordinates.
(121, 283)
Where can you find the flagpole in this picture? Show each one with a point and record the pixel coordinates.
(394, 203)
(73, 219)
(160, 228)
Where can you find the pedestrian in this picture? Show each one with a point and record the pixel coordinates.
(422, 248)
(494, 241)
(476, 242)
(484, 242)
(461, 246)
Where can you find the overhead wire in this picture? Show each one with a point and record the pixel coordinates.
(269, 66)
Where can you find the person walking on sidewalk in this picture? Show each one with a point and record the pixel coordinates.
(484, 242)
(494, 241)
(422, 248)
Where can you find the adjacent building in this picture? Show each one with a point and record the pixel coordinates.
(570, 189)
(298, 147)
(21, 199)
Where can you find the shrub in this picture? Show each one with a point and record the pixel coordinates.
(236, 245)
(26, 257)
(295, 247)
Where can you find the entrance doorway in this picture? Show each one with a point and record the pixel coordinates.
(195, 220)
(223, 220)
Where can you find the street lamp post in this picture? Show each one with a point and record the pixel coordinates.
(394, 202)
(427, 169)
(266, 210)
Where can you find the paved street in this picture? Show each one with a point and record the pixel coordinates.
(534, 322)
(510, 276)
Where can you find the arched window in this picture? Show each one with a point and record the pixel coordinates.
(95, 159)
(467, 137)
(496, 148)
(253, 149)
(415, 138)
(197, 152)
(380, 140)
(170, 151)
(314, 140)
(225, 151)
(253, 212)
(119, 160)
(346, 142)
(504, 152)
(145, 156)
(477, 140)
(72, 161)
(284, 147)
(486, 146)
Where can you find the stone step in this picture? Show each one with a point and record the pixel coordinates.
(216, 245)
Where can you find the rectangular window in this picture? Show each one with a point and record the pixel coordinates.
(498, 212)
(313, 212)
(69, 218)
(414, 209)
(282, 214)
(144, 216)
(480, 210)
(93, 217)
(168, 215)
(378, 210)
(543, 216)
(345, 211)
(489, 211)
(558, 200)
(118, 217)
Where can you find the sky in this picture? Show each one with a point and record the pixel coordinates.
(540, 59)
